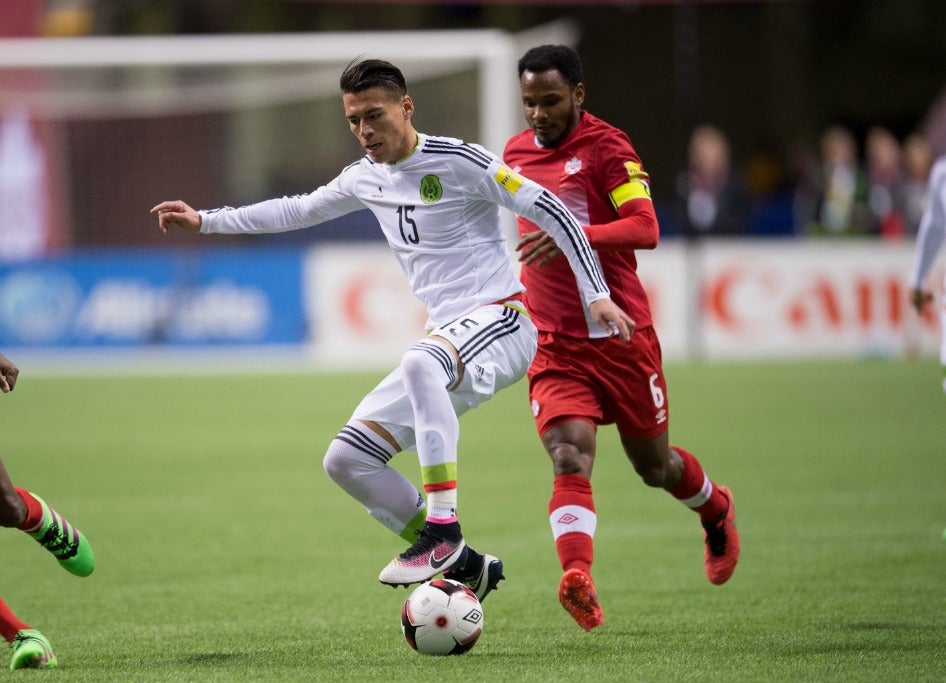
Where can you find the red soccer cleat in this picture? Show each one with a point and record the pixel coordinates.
(576, 592)
(721, 552)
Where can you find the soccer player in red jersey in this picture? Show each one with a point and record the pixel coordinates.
(581, 378)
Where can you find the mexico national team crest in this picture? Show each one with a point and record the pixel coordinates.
(572, 166)
(430, 189)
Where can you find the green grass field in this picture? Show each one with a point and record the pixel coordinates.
(224, 553)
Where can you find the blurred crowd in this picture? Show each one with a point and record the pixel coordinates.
(837, 187)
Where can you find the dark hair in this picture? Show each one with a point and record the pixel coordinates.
(361, 75)
(558, 57)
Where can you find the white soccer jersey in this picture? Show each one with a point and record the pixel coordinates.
(439, 210)
(932, 232)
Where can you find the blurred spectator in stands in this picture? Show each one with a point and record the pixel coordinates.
(913, 192)
(804, 175)
(841, 188)
(711, 196)
(770, 195)
(883, 160)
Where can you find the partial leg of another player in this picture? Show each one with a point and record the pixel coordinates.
(680, 473)
(942, 337)
(31, 650)
(429, 367)
(418, 405)
(357, 460)
(21, 509)
(571, 445)
(28, 512)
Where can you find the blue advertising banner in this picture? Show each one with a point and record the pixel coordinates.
(128, 298)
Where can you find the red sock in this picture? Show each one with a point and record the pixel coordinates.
(34, 511)
(9, 624)
(573, 519)
(697, 491)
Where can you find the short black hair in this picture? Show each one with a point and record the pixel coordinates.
(363, 74)
(558, 57)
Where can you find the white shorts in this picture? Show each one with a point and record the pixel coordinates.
(496, 344)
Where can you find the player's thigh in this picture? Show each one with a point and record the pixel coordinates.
(562, 385)
(496, 345)
(637, 389)
(571, 445)
(389, 406)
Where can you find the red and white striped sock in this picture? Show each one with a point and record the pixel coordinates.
(697, 491)
(573, 519)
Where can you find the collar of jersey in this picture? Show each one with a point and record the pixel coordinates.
(414, 149)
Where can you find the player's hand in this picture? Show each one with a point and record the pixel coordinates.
(919, 298)
(537, 248)
(177, 213)
(8, 374)
(612, 319)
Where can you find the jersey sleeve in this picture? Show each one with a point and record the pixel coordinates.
(286, 213)
(530, 200)
(623, 174)
(635, 228)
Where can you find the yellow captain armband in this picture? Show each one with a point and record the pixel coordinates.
(636, 187)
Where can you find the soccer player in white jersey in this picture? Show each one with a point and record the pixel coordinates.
(438, 203)
(929, 241)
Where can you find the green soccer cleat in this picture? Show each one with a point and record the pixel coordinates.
(64, 541)
(31, 650)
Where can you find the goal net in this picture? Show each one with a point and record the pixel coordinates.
(94, 131)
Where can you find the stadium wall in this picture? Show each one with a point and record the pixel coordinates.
(717, 300)
(348, 306)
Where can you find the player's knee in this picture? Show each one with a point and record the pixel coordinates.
(415, 363)
(347, 460)
(334, 464)
(652, 476)
(655, 472)
(339, 463)
(428, 361)
(568, 458)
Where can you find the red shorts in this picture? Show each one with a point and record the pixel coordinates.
(603, 381)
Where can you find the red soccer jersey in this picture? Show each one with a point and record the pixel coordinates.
(588, 171)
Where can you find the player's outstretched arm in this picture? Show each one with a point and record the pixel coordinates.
(177, 214)
(8, 374)
(612, 319)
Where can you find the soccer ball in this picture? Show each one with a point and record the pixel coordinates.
(442, 617)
